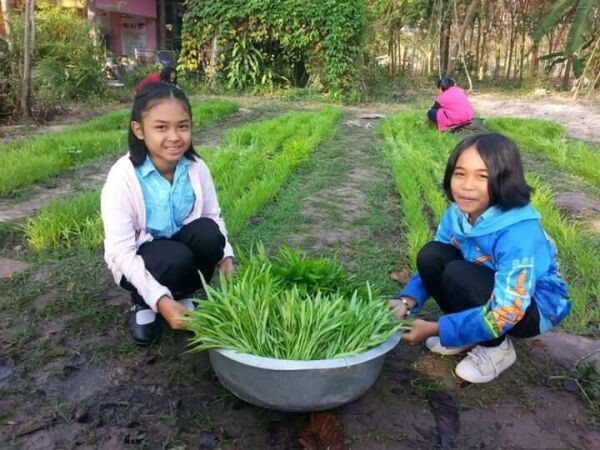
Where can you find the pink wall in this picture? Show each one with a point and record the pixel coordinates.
(146, 8)
(136, 13)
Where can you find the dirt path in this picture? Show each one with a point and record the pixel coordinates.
(581, 120)
(82, 384)
(417, 402)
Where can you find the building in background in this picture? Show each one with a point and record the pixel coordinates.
(130, 28)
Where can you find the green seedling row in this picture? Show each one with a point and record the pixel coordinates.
(68, 224)
(247, 177)
(27, 161)
(578, 257)
(548, 139)
(258, 159)
(417, 157)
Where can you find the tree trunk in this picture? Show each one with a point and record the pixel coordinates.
(535, 60)
(391, 52)
(461, 35)
(445, 44)
(567, 76)
(521, 62)
(511, 48)
(6, 18)
(211, 70)
(478, 43)
(28, 42)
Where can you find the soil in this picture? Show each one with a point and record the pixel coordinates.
(580, 119)
(91, 388)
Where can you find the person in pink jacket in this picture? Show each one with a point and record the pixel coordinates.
(452, 107)
(162, 221)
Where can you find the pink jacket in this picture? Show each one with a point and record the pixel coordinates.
(455, 108)
(124, 218)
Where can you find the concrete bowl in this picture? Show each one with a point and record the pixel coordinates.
(288, 385)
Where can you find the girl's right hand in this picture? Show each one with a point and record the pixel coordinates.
(172, 311)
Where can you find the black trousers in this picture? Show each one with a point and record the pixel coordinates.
(432, 115)
(458, 285)
(175, 262)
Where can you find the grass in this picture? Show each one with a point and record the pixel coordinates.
(27, 161)
(579, 258)
(67, 224)
(417, 153)
(368, 255)
(257, 160)
(204, 405)
(548, 139)
(249, 169)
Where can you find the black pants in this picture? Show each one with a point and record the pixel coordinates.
(432, 115)
(458, 285)
(175, 262)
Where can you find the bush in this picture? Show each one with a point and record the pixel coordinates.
(67, 61)
(275, 43)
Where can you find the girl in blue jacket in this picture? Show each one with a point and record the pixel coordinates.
(491, 268)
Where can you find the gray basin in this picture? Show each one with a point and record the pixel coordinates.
(288, 385)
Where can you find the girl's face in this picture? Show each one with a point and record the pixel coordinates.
(469, 184)
(166, 129)
(172, 77)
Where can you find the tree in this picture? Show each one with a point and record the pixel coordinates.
(6, 18)
(580, 37)
(28, 45)
(461, 35)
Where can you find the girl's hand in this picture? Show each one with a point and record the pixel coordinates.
(421, 330)
(401, 308)
(172, 311)
(227, 266)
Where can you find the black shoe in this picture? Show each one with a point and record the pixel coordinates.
(144, 325)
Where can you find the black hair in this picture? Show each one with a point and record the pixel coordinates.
(445, 83)
(165, 75)
(506, 180)
(149, 94)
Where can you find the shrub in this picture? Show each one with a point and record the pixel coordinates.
(67, 60)
(276, 43)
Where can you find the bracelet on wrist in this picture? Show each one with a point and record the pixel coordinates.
(405, 303)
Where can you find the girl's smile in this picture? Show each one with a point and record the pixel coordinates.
(469, 184)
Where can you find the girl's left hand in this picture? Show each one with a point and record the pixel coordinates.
(421, 330)
(227, 267)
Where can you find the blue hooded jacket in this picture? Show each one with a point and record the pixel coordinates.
(515, 246)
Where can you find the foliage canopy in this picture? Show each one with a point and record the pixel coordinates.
(67, 57)
(285, 42)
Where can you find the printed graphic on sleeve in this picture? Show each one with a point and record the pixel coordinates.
(504, 313)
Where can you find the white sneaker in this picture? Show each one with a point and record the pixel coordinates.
(433, 344)
(483, 364)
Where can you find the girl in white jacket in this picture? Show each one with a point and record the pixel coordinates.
(162, 221)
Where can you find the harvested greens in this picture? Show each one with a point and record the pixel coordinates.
(292, 307)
